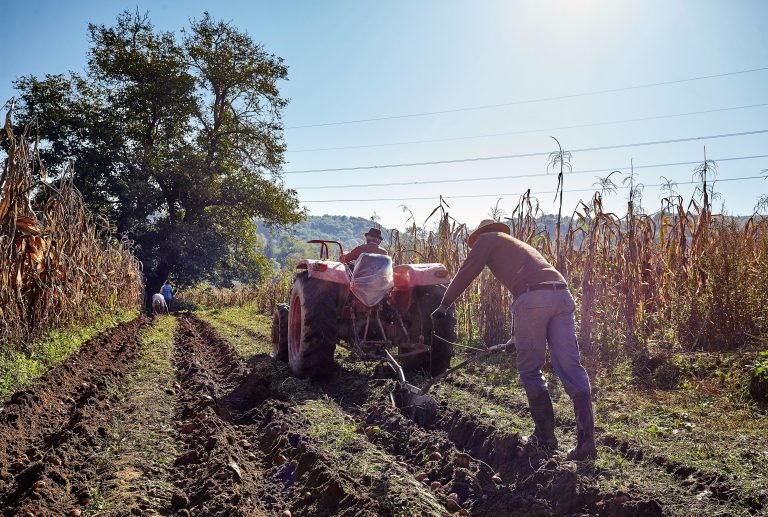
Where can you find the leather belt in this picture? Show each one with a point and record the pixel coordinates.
(542, 287)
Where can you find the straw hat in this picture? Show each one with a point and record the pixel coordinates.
(486, 226)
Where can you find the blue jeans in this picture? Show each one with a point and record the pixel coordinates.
(541, 317)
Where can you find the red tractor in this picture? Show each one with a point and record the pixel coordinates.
(369, 308)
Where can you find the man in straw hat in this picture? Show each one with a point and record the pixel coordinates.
(543, 313)
(372, 245)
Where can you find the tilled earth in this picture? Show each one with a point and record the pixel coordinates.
(250, 439)
(50, 433)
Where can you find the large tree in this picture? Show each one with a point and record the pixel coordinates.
(177, 140)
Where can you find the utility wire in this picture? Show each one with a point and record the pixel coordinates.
(526, 131)
(527, 155)
(473, 196)
(529, 101)
(519, 176)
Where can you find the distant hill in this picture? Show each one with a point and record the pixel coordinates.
(342, 228)
(290, 245)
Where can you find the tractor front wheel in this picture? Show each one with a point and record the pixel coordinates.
(280, 333)
(312, 326)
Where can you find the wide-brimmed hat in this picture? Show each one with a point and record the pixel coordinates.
(374, 232)
(485, 226)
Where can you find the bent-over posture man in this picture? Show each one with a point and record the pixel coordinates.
(542, 312)
(158, 304)
(372, 244)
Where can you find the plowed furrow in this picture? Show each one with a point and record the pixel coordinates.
(52, 432)
(217, 473)
(490, 470)
(483, 465)
(246, 453)
(465, 464)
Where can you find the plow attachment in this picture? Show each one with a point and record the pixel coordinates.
(416, 403)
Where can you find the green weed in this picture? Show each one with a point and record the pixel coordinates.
(19, 368)
(248, 331)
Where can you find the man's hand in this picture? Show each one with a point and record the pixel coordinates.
(440, 313)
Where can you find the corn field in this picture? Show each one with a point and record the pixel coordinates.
(261, 297)
(58, 263)
(680, 278)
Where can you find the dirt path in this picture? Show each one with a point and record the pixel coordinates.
(247, 454)
(134, 468)
(178, 416)
(50, 433)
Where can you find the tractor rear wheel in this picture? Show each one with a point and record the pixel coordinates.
(425, 299)
(280, 333)
(312, 326)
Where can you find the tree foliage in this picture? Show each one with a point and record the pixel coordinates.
(177, 139)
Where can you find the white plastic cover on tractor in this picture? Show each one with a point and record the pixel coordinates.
(372, 278)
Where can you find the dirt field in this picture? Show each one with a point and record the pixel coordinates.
(189, 415)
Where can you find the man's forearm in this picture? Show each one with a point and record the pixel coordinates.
(352, 255)
(472, 266)
(454, 291)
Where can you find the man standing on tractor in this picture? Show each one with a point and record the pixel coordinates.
(372, 245)
(543, 312)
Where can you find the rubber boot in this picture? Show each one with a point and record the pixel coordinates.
(543, 415)
(585, 429)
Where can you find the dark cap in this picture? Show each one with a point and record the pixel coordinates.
(375, 233)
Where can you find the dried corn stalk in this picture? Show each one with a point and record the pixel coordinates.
(57, 263)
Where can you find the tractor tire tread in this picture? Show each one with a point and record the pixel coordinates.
(320, 322)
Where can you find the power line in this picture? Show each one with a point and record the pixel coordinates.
(473, 196)
(519, 176)
(528, 101)
(526, 155)
(525, 131)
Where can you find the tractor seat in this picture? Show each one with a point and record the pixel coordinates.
(372, 278)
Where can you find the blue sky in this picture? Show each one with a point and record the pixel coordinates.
(352, 60)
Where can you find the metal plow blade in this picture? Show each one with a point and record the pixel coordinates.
(414, 403)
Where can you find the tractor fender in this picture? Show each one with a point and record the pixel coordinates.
(327, 270)
(408, 276)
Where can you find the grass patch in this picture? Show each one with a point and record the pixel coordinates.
(330, 427)
(141, 443)
(700, 419)
(19, 368)
(487, 411)
(702, 422)
(248, 331)
(392, 485)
